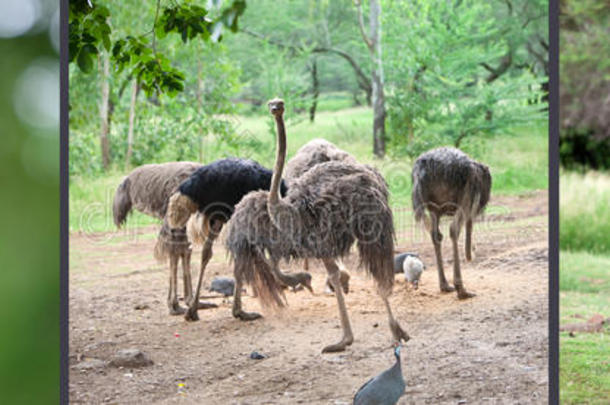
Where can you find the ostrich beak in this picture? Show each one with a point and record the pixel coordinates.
(415, 284)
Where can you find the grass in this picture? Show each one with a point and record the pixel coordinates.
(521, 165)
(584, 357)
(584, 213)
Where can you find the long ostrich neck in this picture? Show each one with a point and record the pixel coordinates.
(280, 157)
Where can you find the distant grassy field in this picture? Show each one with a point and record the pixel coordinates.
(584, 286)
(518, 162)
(584, 357)
(584, 212)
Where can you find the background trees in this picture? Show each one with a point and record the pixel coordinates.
(585, 85)
(179, 80)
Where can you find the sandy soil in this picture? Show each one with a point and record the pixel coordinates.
(491, 349)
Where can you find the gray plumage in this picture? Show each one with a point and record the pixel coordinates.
(384, 389)
(223, 285)
(308, 156)
(313, 153)
(446, 182)
(148, 188)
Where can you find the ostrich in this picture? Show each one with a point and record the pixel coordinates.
(447, 182)
(213, 190)
(312, 153)
(147, 189)
(324, 212)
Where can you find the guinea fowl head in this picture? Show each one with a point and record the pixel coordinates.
(397, 347)
(276, 107)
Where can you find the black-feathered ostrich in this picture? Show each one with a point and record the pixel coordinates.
(312, 153)
(213, 190)
(147, 189)
(447, 182)
(324, 212)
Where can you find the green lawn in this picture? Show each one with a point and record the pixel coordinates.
(518, 162)
(584, 213)
(584, 357)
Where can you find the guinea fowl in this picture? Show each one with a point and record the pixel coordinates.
(223, 285)
(384, 389)
(411, 265)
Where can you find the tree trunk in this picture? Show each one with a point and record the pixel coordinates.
(377, 80)
(104, 109)
(132, 116)
(315, 90)
(373, 42)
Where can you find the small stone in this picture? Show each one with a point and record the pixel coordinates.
(130, 358)
(140, 307)
(258, 356)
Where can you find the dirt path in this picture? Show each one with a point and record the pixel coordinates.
(491, 349)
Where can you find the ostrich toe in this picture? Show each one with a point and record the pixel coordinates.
(338, 347)
(463, 294)
(247, 316)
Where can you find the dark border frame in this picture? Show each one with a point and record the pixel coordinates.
(553, 287)
(63, 203)
(553, 197)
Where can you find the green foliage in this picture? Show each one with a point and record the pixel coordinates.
(89, 27)
(580, 149)
(585, 291)
(584, 83)
(436, 81)
(584, 214)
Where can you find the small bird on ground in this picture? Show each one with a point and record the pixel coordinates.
(223, 285)
(411, 265)
(384, 389)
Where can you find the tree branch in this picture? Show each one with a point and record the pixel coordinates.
(369, 43)
(363, 80)
(154, 34)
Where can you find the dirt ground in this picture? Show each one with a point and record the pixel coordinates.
(491, 349)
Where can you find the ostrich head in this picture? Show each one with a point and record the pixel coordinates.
(276, 107)
(179, 210)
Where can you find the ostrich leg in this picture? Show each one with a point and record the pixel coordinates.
(397, 332)
(469, 239)
(306, 264)
(437, 238)
(172, 297)
(348, 337)
(455, 228)
(186, 275)
(237, 311)
(206, 255)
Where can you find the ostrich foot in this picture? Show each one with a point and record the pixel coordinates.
(176, 310)
(206, 305)
(246, 316)
(447, 288)
(191, 315)
(463, 294)
(398, 333)
(339, 347)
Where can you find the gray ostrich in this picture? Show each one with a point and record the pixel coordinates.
(448, 182)
(312, 153)
(324, 212)
(147, 189)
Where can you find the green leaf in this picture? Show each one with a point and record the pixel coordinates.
(85, 60)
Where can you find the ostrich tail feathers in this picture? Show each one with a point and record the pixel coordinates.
(122, 203)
